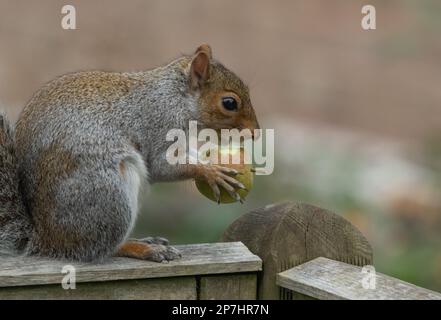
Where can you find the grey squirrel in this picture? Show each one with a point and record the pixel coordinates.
(87, 143)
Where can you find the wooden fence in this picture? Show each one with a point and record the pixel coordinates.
(286, 251)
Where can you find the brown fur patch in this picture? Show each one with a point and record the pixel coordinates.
(109, 86)
(122, 169)
(54, 164)
(76, 89)
(133, 249)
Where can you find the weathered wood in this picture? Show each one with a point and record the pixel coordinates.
(197, 259)
(324, 278)
(183, 288)
(232, 287)
(288, 234)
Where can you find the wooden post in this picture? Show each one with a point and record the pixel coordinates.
(289, 234)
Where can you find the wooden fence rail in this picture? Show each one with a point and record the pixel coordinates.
(284, 251)
(327, 279)
(206, 271)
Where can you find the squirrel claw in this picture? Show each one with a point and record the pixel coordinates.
(229, 171)
(220, 177)
(163, 254)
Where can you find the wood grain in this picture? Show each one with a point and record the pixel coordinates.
(197, 259)
(288, 234)
(326, 279)
(230, 287)
(182, 288)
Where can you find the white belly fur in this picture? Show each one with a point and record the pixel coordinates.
(135, 176)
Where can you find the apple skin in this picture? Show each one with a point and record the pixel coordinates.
(245, 176)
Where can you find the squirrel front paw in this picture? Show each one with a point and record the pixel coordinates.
(149, 251)
(217, 176)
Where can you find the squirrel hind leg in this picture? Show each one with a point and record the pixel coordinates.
(88, 218)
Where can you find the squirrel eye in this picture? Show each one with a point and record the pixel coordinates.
(229, 103)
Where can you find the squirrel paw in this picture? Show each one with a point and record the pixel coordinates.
(161, 253)
(153, 240)
(148, 251)
(218, 176)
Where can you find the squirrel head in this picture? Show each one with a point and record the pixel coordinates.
(224, 100)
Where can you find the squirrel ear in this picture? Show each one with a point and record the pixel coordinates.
(205, 47)
(200, 66)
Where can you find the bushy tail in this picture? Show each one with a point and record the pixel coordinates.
(15, 223)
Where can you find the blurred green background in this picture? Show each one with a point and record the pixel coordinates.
(357, 114)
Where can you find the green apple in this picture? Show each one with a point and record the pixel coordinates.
(245, 176)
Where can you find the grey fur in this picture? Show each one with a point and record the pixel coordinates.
(89, 215)
(71, 140)
(15, 224)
